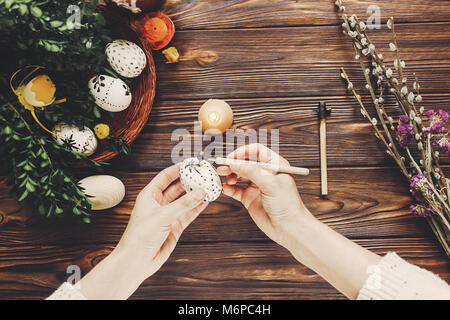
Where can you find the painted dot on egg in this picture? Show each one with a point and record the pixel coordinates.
(110, 94)
(122, 54)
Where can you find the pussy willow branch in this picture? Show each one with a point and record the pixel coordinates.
(399, 65)
(379, 134)
(436, 190)
(437, 194)
(435, 228)
(364, 47)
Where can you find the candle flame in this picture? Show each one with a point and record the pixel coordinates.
(214, 117)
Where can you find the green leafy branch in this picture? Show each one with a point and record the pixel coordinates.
(41, 33)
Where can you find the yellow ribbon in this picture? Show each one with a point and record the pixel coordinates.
(18, 92)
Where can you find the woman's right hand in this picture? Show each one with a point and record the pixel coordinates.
(276, 207)
(272, 199)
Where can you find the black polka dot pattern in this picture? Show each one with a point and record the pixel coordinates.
(126, 58)
(196, 174)
(110, 93)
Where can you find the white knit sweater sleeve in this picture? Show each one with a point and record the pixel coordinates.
(67, 292)
(395, 279)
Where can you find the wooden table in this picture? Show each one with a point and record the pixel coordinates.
(272, 61)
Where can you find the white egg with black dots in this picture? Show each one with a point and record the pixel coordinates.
(111, 94)
(126, 58)
(200, 174)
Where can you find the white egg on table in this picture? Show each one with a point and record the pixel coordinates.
(110, 94)
(126, 58)
(82, 141)
(104, 191)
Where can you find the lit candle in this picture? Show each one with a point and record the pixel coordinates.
(215, 115)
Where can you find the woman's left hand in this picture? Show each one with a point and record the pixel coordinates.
(157, 222)
(159, 218)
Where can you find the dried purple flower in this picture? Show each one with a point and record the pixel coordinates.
(415, 179)
(420, 186)
(404, 119)
(405, 132)
(420, 210)
(442, 142)
(437, 120)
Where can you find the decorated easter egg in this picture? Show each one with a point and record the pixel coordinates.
(110, 94)
(126, 58)
(40, 91)
(200, 174)
(81, 141)
(104, 191)
(138, 6)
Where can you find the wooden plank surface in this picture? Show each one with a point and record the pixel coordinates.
(208, 14)
(350, 139)
(293, 62)
(224, 270)
(358, 206)
(273, 61)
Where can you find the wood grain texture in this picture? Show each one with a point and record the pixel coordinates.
(350, 138)
(225, 270)
(362, 203)
(10, 209)
(209, 14)
(293, 62)
(273, 61)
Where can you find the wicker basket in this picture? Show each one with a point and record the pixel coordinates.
(129, 123)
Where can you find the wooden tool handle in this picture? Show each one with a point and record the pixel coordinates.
(323, 157)
(263, 165)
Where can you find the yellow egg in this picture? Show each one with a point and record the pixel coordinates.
(215, 115)
(40, 91)
(101, 131)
